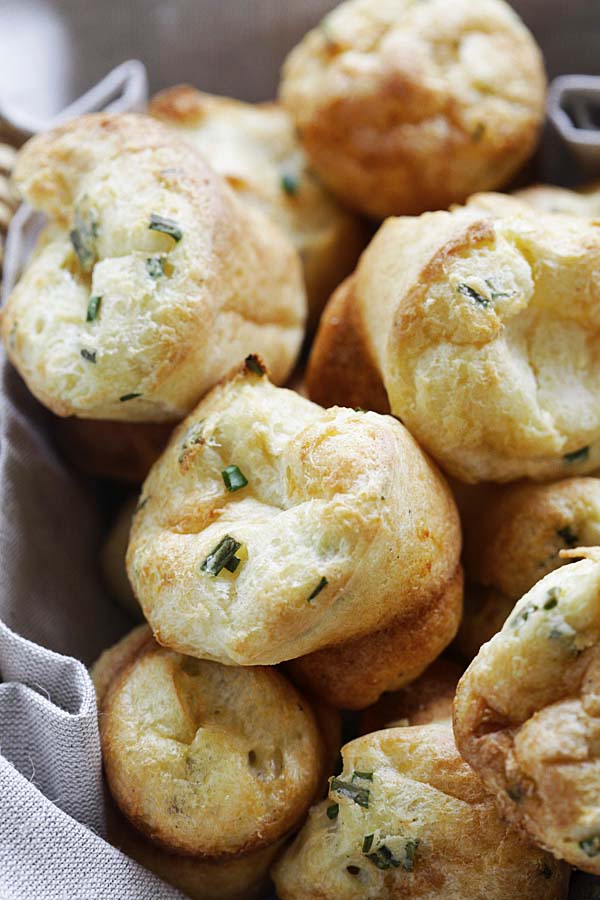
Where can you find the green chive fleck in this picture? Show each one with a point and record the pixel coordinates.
(222, 557)
(353, 792)
(365, 776)
(410, 851)
(89, 355)
(232, 564)
(234, 478)
(472, 294)
(591, 845)
(333, 810)
(253, 363)
(497, 295)
(166, 226)
(522, 615)
(83, 238)
(552, 600)
(155, 266)
(322, 583)
(93, 308)
(577, 456)
(290, 184)
(383, 857)
(127, 397)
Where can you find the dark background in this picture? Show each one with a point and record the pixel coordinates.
(53, 50)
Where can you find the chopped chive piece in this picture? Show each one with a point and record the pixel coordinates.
(552, 600)
(232, 564)
(127, 397)
(522, 615)
(591, 845)
(472, 294)
(353, 792)
(333, 810)
(222, 556)
(322, 583)
(155, 266)
(234, 478)
(497, 295)
(83, 238)
(93, 308)
(254, 364)
(577, 456)
(367, 842)
(568, 536)
(89, 355)
(366, 776)
(166, 226)
(410, 851)
(290, 184)
(384, 858)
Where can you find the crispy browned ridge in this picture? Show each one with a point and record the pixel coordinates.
(352, 675)
(341, 369)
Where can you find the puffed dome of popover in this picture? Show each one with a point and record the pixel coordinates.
(206, 760)
(584, 201)
(408, 818)
(516, 539)
(150, 281)
(254, 146)
(527, 713)
(271, 527)
(404, 106)
(484, 326)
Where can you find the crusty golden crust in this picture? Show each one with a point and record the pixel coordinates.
(341, 368)
(241, 878)
(419, 825)
(205, 760)
(113, 661)
(428, 699)
(255, 148)
(186, 279)
(526, 713)
(353, 675)
(344, 526)
(404, 107)
(485, 319)
(514, 541)
(121, 451)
